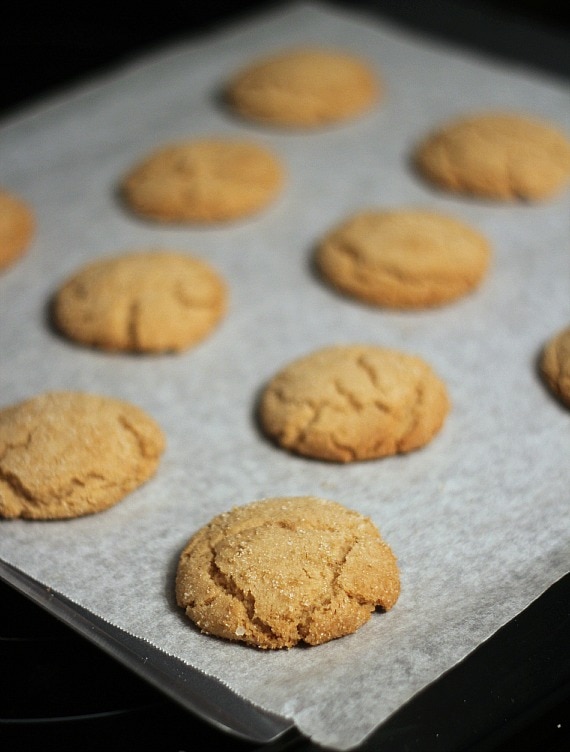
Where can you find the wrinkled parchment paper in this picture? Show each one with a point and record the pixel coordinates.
(478, 518)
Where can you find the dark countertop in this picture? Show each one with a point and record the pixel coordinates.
(60, 692)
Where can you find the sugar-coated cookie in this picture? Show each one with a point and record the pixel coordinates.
(304, 88)
(500, 156)
(203, 181)
(403, 259)
(145, 301)
(67, 454)
(280, 571)
(17, 227)
(555, 365)
(353, 402)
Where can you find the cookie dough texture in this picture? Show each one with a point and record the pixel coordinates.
(17, 227)
(203, 181)
(403, 259)
(282, 571)
(499, 156)
(353, 402)
(304, 88)
(67, 454)
(555, 365)
(144, 301)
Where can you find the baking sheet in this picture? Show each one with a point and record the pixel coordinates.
(478, 518)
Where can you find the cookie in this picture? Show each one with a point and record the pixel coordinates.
(555, 365)
(499, 156)
(403, 259)
(203, 181)
(353, 402)
(17, 226)
(281, 571)
(304, 88)
(68, 454)
(147, 301)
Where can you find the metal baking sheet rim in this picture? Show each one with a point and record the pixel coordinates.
(203, 695)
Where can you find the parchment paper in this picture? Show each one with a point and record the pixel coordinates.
(478, 518)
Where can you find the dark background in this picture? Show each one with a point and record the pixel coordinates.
(57, 691)
(45, 46)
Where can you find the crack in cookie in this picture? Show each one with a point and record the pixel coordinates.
(403, 259)
(204, 181)
(502, 156)
(356, 402)
(143, 301)
(81, 454)
(281, 571)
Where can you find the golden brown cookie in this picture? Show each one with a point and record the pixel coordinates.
(67, 454)
(17, 226)
(203, 181)
(281, 571)
(501, 156)
(403, 259)
(146, 301)
(555, 365)
(353, 402)
(304, 88)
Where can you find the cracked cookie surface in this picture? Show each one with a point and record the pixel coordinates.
(17, 226)
(68, 454)
(555, 365)
(203, 181)
(403, 259)
(147, 301)
(501, 156)
(304, 88)
(353, 402)
(280, 571)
